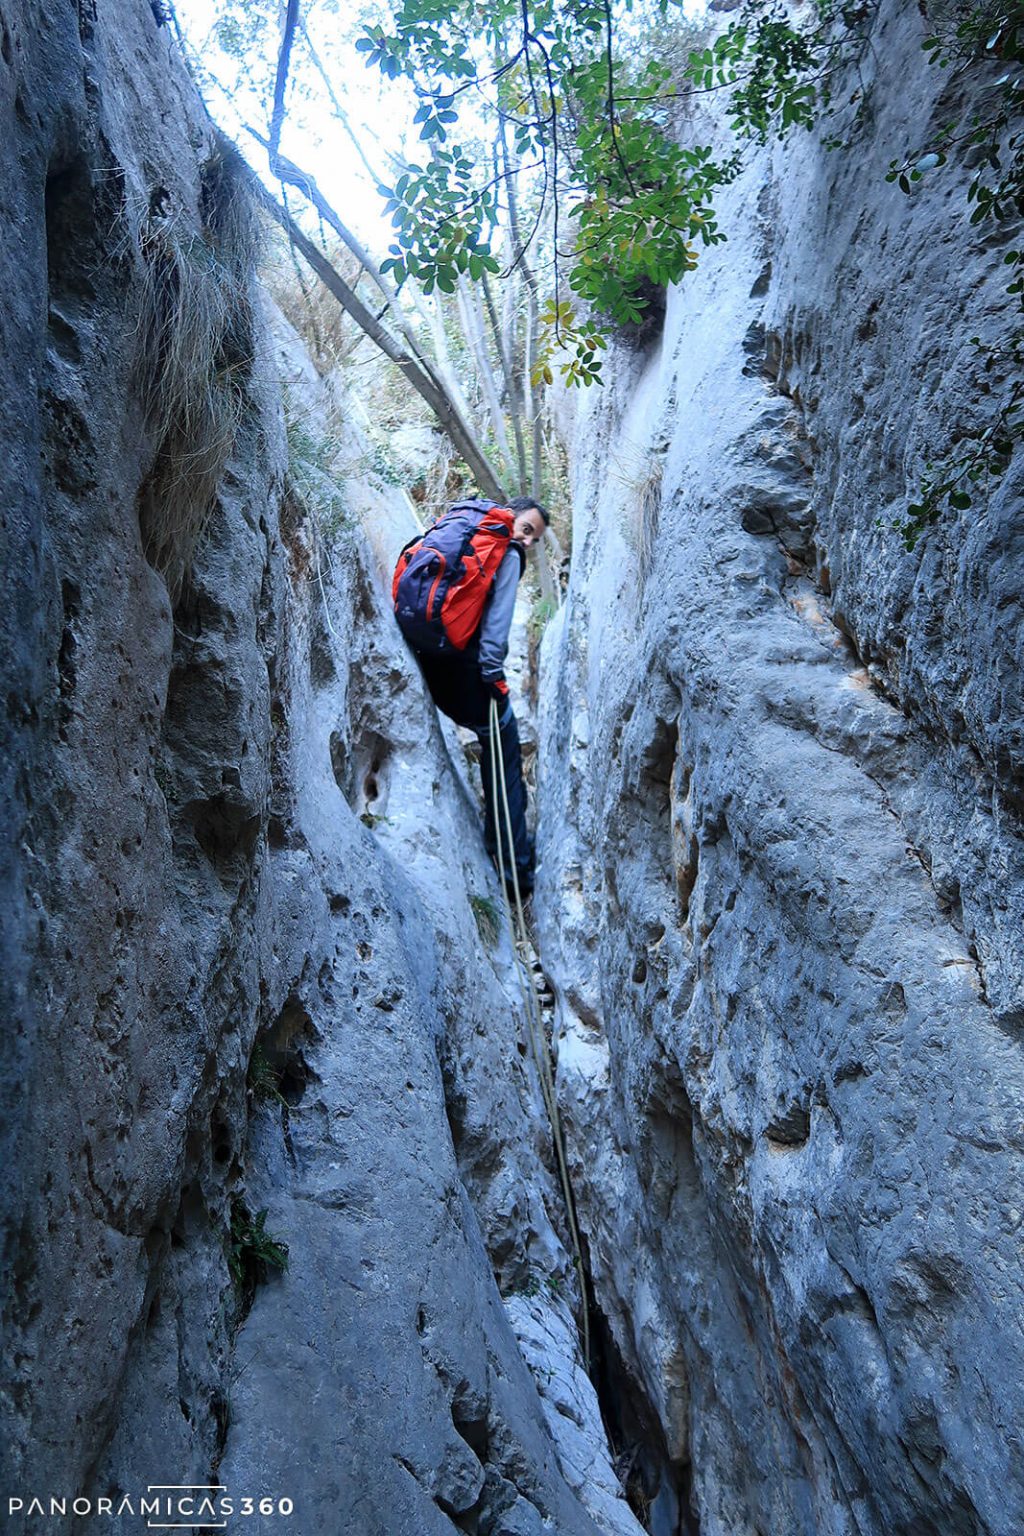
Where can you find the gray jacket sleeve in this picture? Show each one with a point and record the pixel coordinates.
(497, 619)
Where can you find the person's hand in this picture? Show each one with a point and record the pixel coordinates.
(497, 688)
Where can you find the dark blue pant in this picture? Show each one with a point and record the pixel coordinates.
(458, 691)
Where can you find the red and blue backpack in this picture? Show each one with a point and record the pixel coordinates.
(444, 577)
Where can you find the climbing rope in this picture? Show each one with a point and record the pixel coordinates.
(531, 1006)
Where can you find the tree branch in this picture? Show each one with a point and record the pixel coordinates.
(611, 97)
(291, 16)
(426, 385)
(531, 395)
(289, 174)
(508, 377)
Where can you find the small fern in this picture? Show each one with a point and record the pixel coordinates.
(252, 1252)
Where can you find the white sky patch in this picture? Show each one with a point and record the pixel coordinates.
(380, 110)
(312, 137)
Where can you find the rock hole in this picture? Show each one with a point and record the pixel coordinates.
(282, 1068)
(159, 202)
(790, 1129)
(71, 223)
(225, 830)
(659, 756)
(295, 1076)
(685, 847)
(221, 1138)
(220, 1412)
(292, 1021)
(470, 1421)
(650, 1479)
(363, 772)
(653, 792)
(71, 598)
(468, 1521)
(156, 1238)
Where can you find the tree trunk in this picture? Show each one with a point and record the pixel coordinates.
(435, 319)
(472, 325)
(511, 384)
(290, 175)
(532, 406)
(419, 374)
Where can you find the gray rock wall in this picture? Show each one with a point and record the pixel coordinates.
(781, 890)
(782, 883)
(117, 1015)
(232, 820)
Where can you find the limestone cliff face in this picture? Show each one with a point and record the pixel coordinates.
(782, 878)
(232, 825)
(780, 889)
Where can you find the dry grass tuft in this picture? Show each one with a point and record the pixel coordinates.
(641, 475)
(195, 354)
(315, 476)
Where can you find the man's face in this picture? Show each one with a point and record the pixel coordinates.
(528, 527)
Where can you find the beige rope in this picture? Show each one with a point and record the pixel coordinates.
(535, 1022)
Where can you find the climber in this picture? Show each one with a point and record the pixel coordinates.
(454, 590)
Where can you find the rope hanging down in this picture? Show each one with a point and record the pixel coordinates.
(531, 1006)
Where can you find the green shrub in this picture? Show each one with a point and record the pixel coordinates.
(312, 481)
(487, 920)
(262, 1078)
(252, 1252)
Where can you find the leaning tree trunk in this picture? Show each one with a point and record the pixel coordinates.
(418, 372)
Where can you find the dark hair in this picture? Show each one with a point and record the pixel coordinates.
(529, 504)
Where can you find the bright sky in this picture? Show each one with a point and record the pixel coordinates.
(380, 110)
(312, 135)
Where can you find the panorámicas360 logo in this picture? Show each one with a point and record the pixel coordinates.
(164, 1506)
